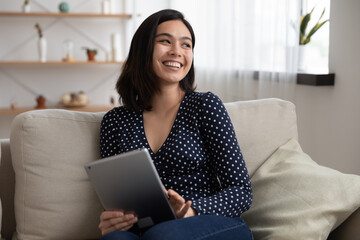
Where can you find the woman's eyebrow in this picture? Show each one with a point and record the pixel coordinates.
(171, 36)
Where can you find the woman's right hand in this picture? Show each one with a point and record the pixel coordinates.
(116, 221)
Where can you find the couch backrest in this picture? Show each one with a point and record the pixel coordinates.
(53, 196)
(7, 188)
(262, 126)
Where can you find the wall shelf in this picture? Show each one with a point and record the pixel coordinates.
(65, 15)
(9, 111)
(315, 79)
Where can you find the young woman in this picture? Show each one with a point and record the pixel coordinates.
(189, 136)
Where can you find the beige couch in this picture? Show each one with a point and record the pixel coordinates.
(46, 194)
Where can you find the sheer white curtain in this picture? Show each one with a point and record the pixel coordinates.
(245, 49)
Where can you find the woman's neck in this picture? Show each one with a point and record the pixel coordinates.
(167, 99)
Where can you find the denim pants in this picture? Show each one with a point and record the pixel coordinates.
(209, 227)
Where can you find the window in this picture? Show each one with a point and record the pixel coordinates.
(319, 45)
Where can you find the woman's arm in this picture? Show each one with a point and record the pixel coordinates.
(227, 162)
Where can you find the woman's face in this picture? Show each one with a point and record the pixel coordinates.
(173, 52)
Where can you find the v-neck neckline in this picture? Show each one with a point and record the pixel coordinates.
(158, 152)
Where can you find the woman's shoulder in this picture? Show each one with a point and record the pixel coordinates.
(118, 113)
(204, 96)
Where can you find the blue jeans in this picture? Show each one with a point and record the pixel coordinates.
(209, 227)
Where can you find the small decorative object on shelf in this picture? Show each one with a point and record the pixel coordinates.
(26, 6)
(64, 7)
(112, 101)
(68, 48)
(74, 99)
(105, 6)
(42, 44)
(116, 53)
(90, 53)
(13, 106)
(41, 100)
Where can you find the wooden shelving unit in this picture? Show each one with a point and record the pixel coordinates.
(9, 111)
(66, 15)
(6, 64)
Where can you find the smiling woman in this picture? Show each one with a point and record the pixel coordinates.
(205, 177)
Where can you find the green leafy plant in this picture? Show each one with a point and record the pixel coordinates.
(26, 2)
(37, 26)
(88, 50)
(305, 37)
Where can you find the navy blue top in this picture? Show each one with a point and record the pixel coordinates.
(200, 159)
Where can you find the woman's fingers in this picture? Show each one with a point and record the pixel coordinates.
(181, 208)
(185, 208)
(116, 220)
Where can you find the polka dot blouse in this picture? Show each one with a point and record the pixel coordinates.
(200, 159)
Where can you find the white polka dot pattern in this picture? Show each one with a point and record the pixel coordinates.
(200, 159)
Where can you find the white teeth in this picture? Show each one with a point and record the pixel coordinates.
(172, 64)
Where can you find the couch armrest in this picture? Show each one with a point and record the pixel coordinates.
(7, 189)
(348, 229)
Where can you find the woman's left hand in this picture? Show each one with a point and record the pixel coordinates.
(181, 208)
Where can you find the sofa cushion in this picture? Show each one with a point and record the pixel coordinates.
(295, 198)
(7, 188)
(53, 196)
(262, 126)
(0, 198)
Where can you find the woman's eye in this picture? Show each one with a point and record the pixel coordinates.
(164, 41)
(187, 45)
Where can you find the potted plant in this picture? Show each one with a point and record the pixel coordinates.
(26, 6)
(305, 37)
(42, 44)
(90, 53)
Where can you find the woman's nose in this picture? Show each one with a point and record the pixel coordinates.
(175, 50)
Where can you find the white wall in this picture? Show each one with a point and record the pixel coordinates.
(329, 117)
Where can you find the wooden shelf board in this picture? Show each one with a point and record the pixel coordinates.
(9, 111)
(315, 79)
(55, 14)
(20, 63)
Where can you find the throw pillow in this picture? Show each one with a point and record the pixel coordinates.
(295, 198)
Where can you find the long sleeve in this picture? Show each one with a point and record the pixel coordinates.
(108, 135)
(227, 163)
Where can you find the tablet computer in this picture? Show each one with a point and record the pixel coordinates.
(130, 182)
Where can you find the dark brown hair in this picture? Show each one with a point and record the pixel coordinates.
(137, 82)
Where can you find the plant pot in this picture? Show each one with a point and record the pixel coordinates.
(91, 55)
(26, 8)
(303, 58)
(42, 47)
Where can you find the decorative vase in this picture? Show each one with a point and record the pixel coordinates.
(116, 54)
(42, 47)
(26, 8)
(303, 54)
(64, 7)
(105, 6)
(41, 100)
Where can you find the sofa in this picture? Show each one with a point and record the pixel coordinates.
(46, 194)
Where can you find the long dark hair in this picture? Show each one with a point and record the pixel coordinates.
(137, 82)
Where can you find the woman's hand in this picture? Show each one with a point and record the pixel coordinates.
(116, 220)
(181, 208)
